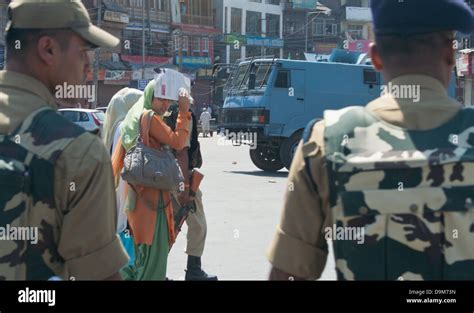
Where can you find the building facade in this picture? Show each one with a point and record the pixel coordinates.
(193, 35)
(309, 26)
(249, 28)
(3, 23)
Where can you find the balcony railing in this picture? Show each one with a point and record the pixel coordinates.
(196, 20)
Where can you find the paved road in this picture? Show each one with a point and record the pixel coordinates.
(242, 206)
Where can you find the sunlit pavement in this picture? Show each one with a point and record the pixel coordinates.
(242, 206)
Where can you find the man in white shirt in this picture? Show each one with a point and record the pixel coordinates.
(205, 120)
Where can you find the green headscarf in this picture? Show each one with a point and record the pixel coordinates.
(130, 127)
(166, 85)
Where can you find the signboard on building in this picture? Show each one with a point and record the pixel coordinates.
(324, 48)
(117, 77)
(358, 14)
(265, 42)
(304, 4)
(464, 63)
(142, 83)
(359, 46)
(232, 39)
(117, 17)
(155, 28)
(194, 62)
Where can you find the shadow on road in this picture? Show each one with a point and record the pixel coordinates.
(261, 173)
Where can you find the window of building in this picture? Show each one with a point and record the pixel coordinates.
(290, 27)
(253, 25)
(236, 21)
(273, 25)
(325, 28)
(356, 31)
(205, 44)
(253, 51)
(318, 29)
(184, 8)
(161, 5)
(136, 3)
(185, 43)
(152, 4)
(276, 2)
(225, 21)
(176, 42)
(234, 55)
(197, 44)
(259, 1)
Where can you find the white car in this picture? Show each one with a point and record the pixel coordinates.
(90, 120)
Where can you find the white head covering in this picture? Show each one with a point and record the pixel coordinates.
(118, 107)
(168, 82)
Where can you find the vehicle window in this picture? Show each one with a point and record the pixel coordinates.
(282, 80)
(262, 70)
(240, 75)
(84, 117)
(71, 116)
(99, 115)
(370, 77)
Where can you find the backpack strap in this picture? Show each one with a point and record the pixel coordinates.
(307, 164)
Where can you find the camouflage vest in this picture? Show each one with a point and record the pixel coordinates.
(27, 203)
(408, 193)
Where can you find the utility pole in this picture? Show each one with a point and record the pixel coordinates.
(143, 39)
(96, 60)
(180, 51)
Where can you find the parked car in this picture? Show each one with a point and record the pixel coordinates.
(90, 120)
(103, 109)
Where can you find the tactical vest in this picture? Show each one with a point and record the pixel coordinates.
(409, 193)
(194, 151)
(27, 160)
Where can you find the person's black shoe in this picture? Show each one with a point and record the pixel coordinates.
(195, 272)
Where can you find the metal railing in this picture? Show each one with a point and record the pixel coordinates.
(197, 20)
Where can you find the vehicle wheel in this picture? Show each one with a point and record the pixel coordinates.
(288, 148)
(266, 159)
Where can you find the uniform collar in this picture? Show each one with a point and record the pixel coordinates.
(431, 93)
(10, 79)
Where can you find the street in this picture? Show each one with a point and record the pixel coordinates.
(242, 206)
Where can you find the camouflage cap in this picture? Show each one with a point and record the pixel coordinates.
(54, 14)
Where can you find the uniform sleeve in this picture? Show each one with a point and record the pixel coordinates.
(299, 247)
(85, 193)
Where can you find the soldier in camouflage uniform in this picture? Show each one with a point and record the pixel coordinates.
(54, 177)
(399, 169)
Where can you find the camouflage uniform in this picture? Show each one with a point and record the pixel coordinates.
(58, 178)
(397, 169)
